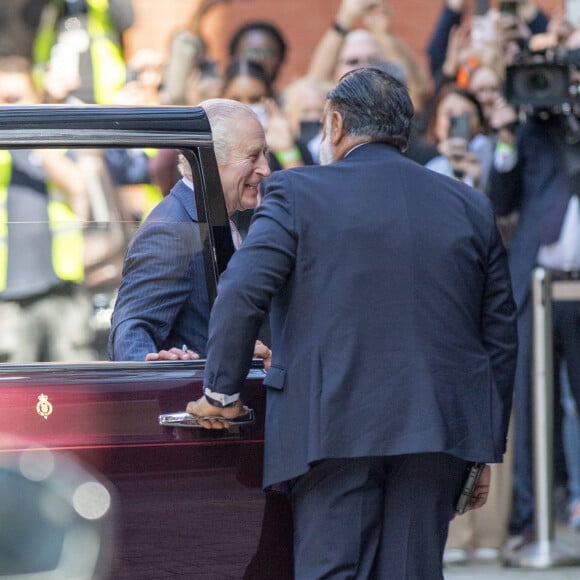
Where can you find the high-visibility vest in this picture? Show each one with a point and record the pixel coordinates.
(108, 65)
(67, 235)
(153, 194)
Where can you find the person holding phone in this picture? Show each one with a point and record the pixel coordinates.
(247, 82)
(457, 127)
(450, 45)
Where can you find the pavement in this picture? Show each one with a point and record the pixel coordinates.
(565, 540)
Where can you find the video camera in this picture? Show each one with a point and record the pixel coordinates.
(544, 81)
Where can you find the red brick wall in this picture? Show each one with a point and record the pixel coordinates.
(302, 21)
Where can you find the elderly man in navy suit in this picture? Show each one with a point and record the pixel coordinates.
(393, 342)
(162, 302)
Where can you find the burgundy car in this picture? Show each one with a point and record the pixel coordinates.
(182, 501)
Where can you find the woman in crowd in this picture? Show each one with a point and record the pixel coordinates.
(467, 156)
(247, 82)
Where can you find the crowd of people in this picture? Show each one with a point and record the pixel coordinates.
(472, 122)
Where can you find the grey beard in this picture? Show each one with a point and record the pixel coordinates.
(325, 153)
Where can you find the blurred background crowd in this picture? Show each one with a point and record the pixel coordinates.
(495, 85)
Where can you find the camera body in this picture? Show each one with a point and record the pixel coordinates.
(543, 81)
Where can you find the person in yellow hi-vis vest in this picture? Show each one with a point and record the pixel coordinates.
(81, 42)
(44, 309)
(129, 169)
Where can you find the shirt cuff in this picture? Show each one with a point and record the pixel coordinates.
(219, 399)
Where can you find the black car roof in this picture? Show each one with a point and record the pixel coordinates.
(90, 126)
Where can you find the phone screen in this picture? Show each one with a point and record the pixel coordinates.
(460, 127)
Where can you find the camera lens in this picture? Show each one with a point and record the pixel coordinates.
(541, 85)
(538, 81)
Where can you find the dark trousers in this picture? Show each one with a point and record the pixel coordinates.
(566, 336)
(375, 518)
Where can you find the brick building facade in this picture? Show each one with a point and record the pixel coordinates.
(302, 21)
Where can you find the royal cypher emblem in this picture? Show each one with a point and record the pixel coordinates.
(44, 406)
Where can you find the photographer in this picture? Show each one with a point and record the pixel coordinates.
(536, 172)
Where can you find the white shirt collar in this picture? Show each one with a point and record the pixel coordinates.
(355, 147)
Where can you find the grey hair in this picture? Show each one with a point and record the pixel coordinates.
(223, 115)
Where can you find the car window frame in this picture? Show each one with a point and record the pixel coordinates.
(186, 129)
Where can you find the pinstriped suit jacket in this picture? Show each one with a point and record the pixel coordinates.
(162, 299)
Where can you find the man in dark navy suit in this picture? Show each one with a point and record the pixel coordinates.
(393, 341)
(162, 302)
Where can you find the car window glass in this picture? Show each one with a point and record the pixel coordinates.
(66, 220)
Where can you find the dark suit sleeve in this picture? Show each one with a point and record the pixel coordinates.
(437, 48)
(540, 23)
(157, 281)
(499, 330)
(254, 275)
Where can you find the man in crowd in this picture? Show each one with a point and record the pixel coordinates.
(44, 307)
(162, 303)
(393, 341)
(81, 42)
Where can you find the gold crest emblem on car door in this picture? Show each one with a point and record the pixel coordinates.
(44, 406)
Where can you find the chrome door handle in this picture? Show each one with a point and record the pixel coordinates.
(184, 419)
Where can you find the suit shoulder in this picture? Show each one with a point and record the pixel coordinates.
(170, 208)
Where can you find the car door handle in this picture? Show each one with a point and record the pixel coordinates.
(184, 419)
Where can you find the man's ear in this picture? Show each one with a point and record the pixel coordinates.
(336, 128)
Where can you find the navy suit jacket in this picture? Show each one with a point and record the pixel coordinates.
(392, 317)
(162, 300)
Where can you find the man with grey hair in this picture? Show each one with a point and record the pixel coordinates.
(162, 302)
(393, 342)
